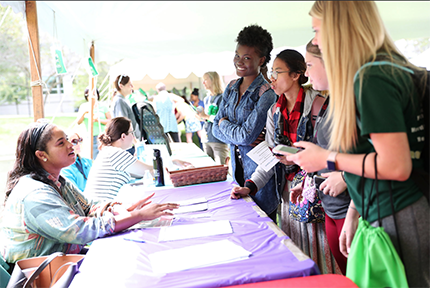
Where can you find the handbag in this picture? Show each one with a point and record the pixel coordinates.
(373, 261)
(56, 270)
(308, 208)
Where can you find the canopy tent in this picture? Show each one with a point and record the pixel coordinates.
(162, 37)
(135, 29)
(155, 38)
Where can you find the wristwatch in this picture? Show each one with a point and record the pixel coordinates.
(331, 161)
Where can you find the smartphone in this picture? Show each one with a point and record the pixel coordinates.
(318, 180)
(282, 149)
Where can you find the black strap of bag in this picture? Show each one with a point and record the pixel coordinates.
(377, 199)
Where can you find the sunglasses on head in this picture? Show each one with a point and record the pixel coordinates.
(76, 141)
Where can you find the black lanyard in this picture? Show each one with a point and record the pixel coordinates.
(79, 166)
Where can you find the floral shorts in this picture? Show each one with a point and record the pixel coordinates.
(192, 125)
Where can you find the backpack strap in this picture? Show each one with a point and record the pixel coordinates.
(263, 88)
(317, 104)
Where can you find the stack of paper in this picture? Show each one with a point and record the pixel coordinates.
(196, 256)
(191, 205)
(190, 231)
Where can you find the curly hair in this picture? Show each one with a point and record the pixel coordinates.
(258, 38)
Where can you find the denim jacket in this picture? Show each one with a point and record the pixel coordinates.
(304, 133)
(246, 121)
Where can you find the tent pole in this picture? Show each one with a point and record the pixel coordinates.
(34, 54)
(92, 97)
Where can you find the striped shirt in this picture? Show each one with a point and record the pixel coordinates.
(108, 173)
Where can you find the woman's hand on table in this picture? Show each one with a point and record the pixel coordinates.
(182, 164)
(140, 204)
(238, 192)
(155, 210)
(150, 211)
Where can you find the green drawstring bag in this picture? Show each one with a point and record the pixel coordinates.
(373, 261)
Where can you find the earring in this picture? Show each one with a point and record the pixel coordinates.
(44, 159)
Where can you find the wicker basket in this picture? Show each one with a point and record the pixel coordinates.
(198, 175)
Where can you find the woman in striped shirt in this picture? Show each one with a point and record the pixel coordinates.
(112, 168)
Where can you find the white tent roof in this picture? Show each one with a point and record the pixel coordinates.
(152, 35)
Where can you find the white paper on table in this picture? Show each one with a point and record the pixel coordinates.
(191, 208)
(191, 231)
(262, 155)
(196, 256)
(192, 201)
(163, 221)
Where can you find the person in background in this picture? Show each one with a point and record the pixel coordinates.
(100, 119)
(111, 170)
(195, 100)
(216, 149)
(242, 113)
(77, 173)
(165, 109)
(187, 113)
(44, 213)
(385, 99)
(199, 106)
(120, 106)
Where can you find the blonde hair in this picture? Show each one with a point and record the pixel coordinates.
(352, 33)
(315, 51)
(217, 86)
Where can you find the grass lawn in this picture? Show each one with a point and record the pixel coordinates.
(11, 127)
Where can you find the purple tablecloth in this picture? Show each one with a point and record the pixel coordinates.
(115, 262)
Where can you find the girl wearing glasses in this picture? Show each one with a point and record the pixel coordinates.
(78, 172)
(112, 168)
(243, 109)
(44, 213)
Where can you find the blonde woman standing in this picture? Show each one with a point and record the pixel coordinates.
(215, 148)
(351, 34)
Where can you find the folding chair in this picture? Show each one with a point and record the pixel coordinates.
(150, 127)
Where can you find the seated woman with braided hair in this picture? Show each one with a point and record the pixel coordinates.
(44, 213)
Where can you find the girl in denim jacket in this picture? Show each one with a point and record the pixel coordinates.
(242, 112)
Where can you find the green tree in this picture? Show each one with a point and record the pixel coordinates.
(14, 64)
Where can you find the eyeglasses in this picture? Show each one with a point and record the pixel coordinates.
(120, 78)
(274, 74)
(130, 132)
(76, 141)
